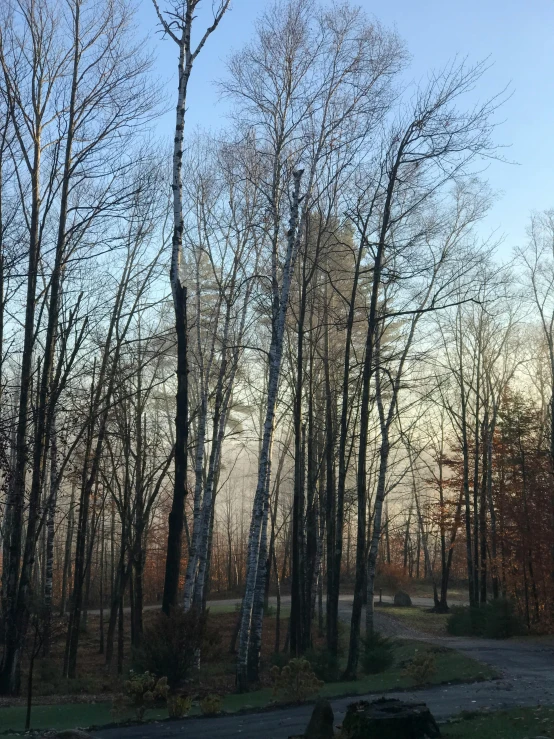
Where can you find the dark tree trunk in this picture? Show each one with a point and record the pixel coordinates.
(176, 516)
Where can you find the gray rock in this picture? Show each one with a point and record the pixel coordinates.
(70, 734)
(320, 725)
(402, 599)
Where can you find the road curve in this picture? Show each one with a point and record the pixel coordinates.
(527, 679)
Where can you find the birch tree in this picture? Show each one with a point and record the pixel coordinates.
(177, 23)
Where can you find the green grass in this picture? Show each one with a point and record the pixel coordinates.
(63, 716)
(451, 667)
(518, 723)
(418, 618)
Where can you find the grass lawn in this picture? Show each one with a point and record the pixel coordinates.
(451, 667)
(518, 723)
(418, 618)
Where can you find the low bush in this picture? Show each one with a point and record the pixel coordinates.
(377, 654)
(325, 664)
(502, 621)
(210, 705)
(495, 620)
(141, 693)
(178, 706)
(296, 682)
(421, 668)
(170, 644)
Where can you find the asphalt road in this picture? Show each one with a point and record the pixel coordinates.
(285, 601)
(527, 680)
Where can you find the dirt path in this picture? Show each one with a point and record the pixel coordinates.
(527, 670)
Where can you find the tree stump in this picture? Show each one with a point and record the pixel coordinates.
(388, 718)
(402, 599)
(320, 725)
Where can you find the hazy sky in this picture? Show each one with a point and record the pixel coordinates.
(518, 37)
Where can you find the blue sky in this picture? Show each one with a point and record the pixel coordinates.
(517, 35)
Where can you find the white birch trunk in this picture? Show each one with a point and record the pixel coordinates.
(192, 564)
(259, 594)
(275, 356)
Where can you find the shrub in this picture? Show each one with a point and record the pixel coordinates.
(377, 655)
(178, 706)
(501, 620)
(421, 668)
(141, 692)
(170, 644)
(210, 705)
(495, 620)
(296, 682)
(325, 664)
(466, 621)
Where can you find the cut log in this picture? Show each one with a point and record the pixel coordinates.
(388, 718)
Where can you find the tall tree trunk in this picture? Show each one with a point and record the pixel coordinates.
(298, 586)
(179, 293)
(68, 550)
(14, 614)
(333, 576)
(50, 522)
(275, 355)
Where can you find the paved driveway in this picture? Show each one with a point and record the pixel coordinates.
(527, 679)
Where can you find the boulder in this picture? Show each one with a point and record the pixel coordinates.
(402, 599)
(389, 718)
(320, 725)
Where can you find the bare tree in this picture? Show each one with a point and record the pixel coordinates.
(178, 23)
